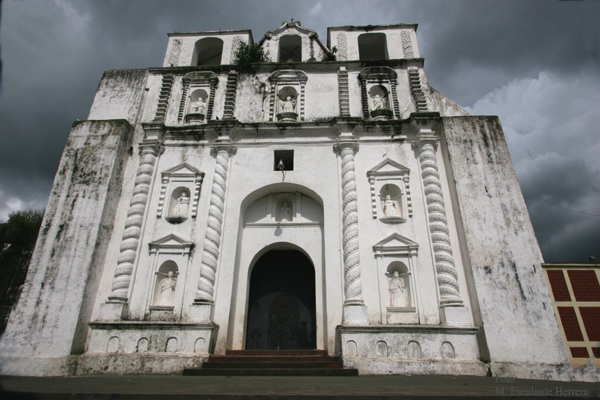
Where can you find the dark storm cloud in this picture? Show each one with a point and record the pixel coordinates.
(533, 63)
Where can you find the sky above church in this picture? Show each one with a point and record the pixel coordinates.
(535, 64)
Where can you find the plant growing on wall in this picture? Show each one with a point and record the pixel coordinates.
(250, 53)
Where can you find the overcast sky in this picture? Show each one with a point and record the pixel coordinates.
(535, 64)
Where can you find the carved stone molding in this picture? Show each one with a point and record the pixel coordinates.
(342, 46)
(163, 98)
(416, 89)
(235, 46)
(344, 92)
(223, 148)
(230, 95)
(133, 223)
(438, 224)
(352, 274)
(407, 47)
(175, 52)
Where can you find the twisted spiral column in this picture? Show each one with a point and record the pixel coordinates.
(133, 223)
(438, 225)
(212, 239)
(352, 281)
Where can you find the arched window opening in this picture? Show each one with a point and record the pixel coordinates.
(208, 51)
(290, 48)
(372, 46)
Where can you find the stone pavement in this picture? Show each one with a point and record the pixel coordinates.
(151, 387)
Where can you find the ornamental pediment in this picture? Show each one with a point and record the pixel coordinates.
(396, 244)
(182, 170)
(388, 167)
(171, 241)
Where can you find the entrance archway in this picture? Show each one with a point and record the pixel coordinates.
(281, 303)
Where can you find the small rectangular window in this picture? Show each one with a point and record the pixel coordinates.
(283, 160)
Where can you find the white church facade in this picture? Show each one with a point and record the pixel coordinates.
(322, 199)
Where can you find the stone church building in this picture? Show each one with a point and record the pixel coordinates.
(327, 199)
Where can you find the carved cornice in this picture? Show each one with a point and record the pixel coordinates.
(377, 74)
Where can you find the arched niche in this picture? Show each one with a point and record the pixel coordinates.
(287, 83)
(173, 182)
(379, 102)
(197, 105)
(398, 285)
(391, 203)
(166, 285)
(380, 81)
(290, 48)
(208, 51)
(198, 87)
(372, 46)
(287, 101)
(169, 255)
(179, 205)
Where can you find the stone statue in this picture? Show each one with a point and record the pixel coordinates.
(389, 207)
(167, 290)
(379, 103)
(397, 291)
(181, 209)
(198, 106)
(285, 213)
(288, 105)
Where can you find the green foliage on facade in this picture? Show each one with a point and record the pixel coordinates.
(250, 53)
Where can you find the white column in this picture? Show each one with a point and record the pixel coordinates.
(204, 299)
(452, 310)
(355, 311)
(115, 307)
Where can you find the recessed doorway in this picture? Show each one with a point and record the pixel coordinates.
(281, 303)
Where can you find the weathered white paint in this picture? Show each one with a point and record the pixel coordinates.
(497, 321)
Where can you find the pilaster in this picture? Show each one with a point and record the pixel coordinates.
(452, 309)
(201, 309)
(150, 147)
(355, 311)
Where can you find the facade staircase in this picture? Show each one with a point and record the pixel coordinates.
(272, 363)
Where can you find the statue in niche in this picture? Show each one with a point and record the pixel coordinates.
(397, 290)
(288, 105)
(285, 213)
(198, 106)
(390, 209)
(379, 103)
(167, 286)
(181, 209)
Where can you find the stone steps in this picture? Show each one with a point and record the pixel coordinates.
(272, 363)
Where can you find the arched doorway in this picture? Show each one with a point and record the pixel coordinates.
(281, 302)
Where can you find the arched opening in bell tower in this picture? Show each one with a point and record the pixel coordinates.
(281, 302)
